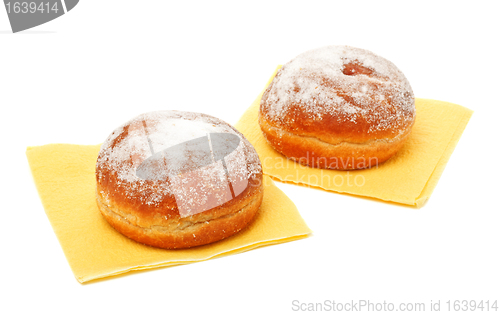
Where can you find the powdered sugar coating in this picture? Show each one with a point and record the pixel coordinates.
(313, 86)
(133, 142)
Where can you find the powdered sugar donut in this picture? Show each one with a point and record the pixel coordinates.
(174, 179)
(338, 107)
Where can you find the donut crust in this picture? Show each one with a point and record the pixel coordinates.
(176, 232)
(146, 210)
(314, 152)
(356, 114)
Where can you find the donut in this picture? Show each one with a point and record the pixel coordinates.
(174, 179)
(338, 107)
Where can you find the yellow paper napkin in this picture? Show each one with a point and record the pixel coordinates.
(407, 178)
(64, 177)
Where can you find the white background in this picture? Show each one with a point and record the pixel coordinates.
(75, 79)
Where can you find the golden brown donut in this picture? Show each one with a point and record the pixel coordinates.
(175, 179)
(338, 107)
